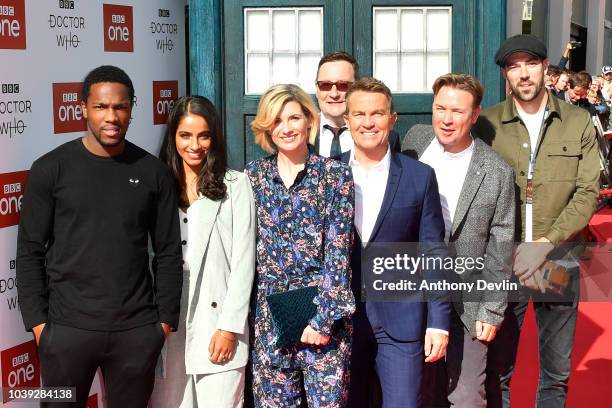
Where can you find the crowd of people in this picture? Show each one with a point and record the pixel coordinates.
(264, 271)
(589, 91)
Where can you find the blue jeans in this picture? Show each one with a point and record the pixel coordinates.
(556, 323)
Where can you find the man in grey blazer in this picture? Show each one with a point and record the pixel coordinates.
(477, 197)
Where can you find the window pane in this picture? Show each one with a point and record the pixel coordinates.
(422, 46)
(438, 29)
(308, 71)
(282, 45)
(258, 72)
(257, 28)
(412, 73)
(385, 68)
(437, 64)
(412, 30)
(310, 31)
(284, 30)
(284, 69)
(385, 23)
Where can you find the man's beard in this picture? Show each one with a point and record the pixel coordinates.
(527, 96)
(111, 143)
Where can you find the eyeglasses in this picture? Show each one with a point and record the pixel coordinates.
(341, 86)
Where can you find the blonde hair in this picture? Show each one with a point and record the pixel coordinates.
(270, 105)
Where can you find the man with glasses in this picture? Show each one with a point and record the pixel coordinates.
(336, 73)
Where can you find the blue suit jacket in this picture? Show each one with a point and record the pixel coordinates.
(410, 212)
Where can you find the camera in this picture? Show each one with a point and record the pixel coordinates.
(576, 44)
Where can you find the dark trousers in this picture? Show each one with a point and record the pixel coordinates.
(398, 365)
(466, 362)
(459, 381)
(70, 357)
(556, 323)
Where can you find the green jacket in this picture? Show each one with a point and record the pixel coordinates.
(566, 172)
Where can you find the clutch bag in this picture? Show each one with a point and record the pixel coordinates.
(291, 312)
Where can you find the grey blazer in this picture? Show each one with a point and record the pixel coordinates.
(221, 259)
(483, 225)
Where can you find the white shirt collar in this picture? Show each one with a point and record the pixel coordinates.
(324, 121)
(440, 149)
(384, 164)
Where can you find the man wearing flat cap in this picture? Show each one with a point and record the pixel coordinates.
(551, 146)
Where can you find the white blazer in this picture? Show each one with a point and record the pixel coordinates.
(221, 259)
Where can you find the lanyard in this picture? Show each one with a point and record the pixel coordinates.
(532, 152)
(532, 157)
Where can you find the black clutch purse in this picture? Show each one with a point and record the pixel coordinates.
(291, 312)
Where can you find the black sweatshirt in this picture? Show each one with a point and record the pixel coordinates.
(82, 246)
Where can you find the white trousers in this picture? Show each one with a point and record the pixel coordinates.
(225, 389)
(219, 390)
(176, 389)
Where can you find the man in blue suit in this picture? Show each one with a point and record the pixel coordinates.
(396, 201)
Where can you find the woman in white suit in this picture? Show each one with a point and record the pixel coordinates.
(203, 362)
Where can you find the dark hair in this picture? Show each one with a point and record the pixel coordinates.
(553, 70)
(369, 85)
(107, 73)
(339, 56)
(463, 82)
(210, 180)
(582, 79)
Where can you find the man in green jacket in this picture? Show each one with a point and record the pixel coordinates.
(551, 146)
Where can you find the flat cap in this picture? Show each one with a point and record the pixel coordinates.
(520, 43)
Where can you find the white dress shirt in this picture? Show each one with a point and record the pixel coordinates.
(183, 218)
(451, 169)
(370, 187)
(326, 136)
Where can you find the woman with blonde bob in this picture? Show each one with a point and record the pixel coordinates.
(304, 205)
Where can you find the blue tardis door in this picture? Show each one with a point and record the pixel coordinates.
(241, 47)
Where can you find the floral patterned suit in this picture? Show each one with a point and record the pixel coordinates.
(304, 238)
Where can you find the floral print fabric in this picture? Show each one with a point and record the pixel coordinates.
(304, 238)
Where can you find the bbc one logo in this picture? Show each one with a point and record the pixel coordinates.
(11, 195)
(164, 95)
(67, 110)
(20, 368)
(118, 28)
(92, 401)
(12, 24)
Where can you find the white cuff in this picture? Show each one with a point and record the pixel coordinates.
(432, 330)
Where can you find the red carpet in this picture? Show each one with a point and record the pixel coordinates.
(591, 378)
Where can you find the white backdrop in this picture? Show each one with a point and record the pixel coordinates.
(46, 49)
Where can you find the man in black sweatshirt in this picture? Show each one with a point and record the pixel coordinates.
(84, 284)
